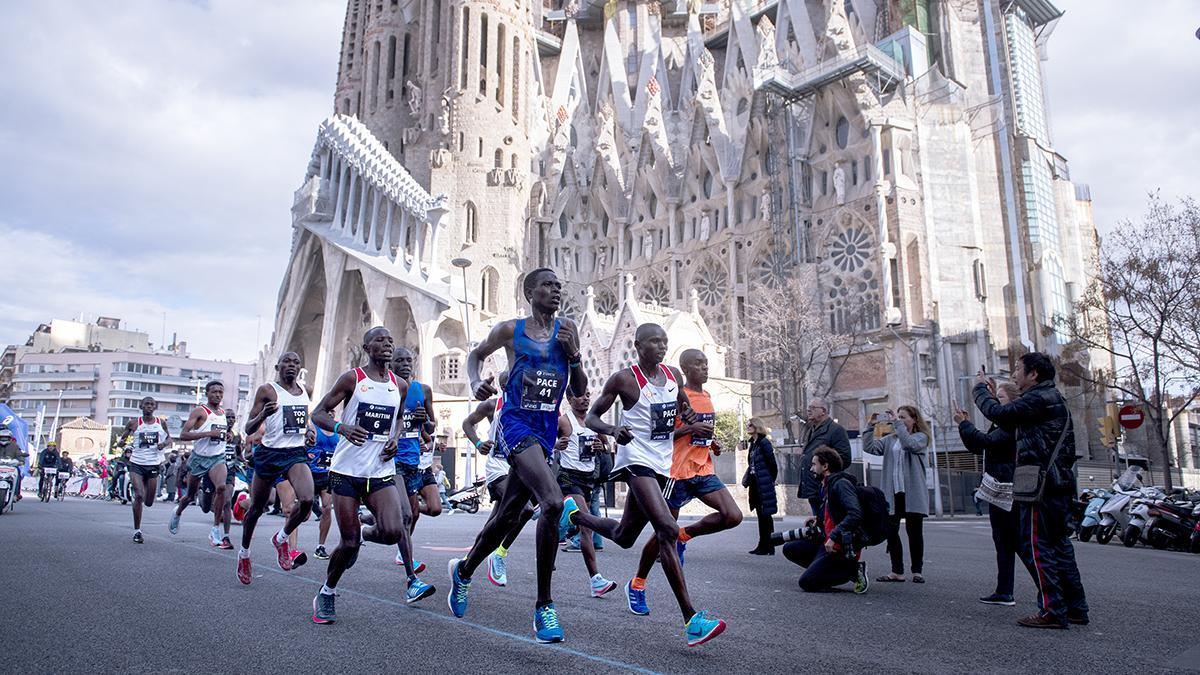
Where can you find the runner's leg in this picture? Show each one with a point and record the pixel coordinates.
(650, 553)
(193, 485)
(534, 473)
(287, 504)
(349, 532)
(623, 533)
(300, 478)
(260, 492)
(727, 515)
(139, 498)
(504, 517)
(326, 517)
(433, 504)
(585, 540)
(648, 494)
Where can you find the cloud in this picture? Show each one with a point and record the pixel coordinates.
(160, 144)
(1121, 78)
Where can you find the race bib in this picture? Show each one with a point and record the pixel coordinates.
(323, 460)
(411, 428)
(295, 419)
(147, 439)
(539, 390)
(376, 419)
(220, 428)
(230, 452)
(587, 447)
(704, 440)
(662, 419)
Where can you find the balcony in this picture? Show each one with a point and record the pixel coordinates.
(51, 397)
(78, 376)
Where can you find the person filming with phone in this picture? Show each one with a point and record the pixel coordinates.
(902, 439)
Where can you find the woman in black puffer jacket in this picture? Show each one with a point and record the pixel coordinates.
(999, 449)
(759, 479)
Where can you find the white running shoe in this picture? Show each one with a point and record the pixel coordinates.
(601, 586)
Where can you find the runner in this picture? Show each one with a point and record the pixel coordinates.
(319, 457)
(495, 476)
(652, 400)
(577, 476)
(692, 476)
(150, 437)
(235, 449)
(281, 409)
(543, 354)
(207, 428)
(418, 419)
(363, 469)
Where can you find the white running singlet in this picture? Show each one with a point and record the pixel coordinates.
(495, 467)
(652, 420)
(285, 428)
(374, 406)
(580, 454)
(146, 437)
(213, 421)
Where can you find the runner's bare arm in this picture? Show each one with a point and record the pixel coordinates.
(129, 427)
(322, 416)
(500, 336)
(685, 406)
(608, 396)
(265, 404)
(568, 337)
(194, 420)
(485, 410)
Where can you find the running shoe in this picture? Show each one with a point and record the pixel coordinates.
(298, 558)
(680, 547)
(545, 624)
(637, 600)
(457, 597)
(600, 586)
(862, 582)
(998, 599)
(701, 628)
(571, 547)
(283, 551)
(497, 570)
(417, 590)
(225, 544)
(173, 526)
(323, 608)
(321, 553)
(244, 572)
(137, 537)
(565, 526)
(214, 536)
(418, 566)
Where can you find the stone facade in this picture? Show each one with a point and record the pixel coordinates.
(901, 148)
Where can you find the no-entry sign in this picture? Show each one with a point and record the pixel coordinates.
(1131, 417)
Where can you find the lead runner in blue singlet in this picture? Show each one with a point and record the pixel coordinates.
(543, 357)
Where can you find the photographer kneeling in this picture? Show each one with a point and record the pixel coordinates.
(829, 545)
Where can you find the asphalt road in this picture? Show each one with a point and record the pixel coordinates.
(89, 600)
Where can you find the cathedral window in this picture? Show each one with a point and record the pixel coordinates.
(843, 132)
(516, 77)
(499, 161)
(472, 221)
(489, 290)
(483, 49)
(466, 47)
(501, 44)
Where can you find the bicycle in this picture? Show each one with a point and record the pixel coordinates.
(60, 489)
(46, 484)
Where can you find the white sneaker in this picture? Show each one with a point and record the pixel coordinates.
(600, 586)
(214, 536)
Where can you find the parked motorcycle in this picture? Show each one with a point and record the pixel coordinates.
(1113, 514)
(1091, 513)
(10, 483)
(1173, 526)
(466, 499)
(1142, 516)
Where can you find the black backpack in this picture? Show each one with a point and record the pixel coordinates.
(876, 522)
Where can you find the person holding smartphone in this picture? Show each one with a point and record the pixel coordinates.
(902, 439)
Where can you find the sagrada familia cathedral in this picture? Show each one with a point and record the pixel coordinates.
(669, 158)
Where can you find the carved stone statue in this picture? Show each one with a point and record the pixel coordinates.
(764, 208)
(414, 98)
(839, 184)
(444, 117)
(705, 226)
(647, 246)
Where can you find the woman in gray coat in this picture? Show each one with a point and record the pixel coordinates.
(902, 441)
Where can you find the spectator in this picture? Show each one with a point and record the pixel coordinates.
(759, 479)
(902, 440)
(821, 431)
(181, 474)
(439, 476)
(832, 559)
(170, 474)
(999, 449)
(1042, 424)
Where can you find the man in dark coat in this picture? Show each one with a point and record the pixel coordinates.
(1042, 422)
(832, 559)
(821, 430)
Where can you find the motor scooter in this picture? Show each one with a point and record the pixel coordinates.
(10, 483)
(1113, 514)
(466, 499)
(1091, 513)
(1142, 516)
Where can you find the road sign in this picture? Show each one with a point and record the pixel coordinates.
(1131, 417)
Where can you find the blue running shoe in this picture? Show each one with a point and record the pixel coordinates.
(565, 526)
(457, 598)
(417, 590)
(701, 628)
(545, 624)
(637, 599)
(680, 547)
(173, 526)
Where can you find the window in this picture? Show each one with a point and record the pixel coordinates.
(516, 77)
(843, 132)
(500, 45)
(472, 229)
(483, 48)
(466, 47)
(499, 161)
(489, 289)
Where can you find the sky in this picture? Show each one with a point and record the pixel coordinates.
(149, 149)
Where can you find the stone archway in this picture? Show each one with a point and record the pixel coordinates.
(305, 339)
(353, 319)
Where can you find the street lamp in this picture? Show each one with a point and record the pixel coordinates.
(463, 264)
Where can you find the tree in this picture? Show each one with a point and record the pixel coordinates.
(1142, 314)
(794, 344)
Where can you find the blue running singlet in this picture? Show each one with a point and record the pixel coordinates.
(537, 379)
(408, 446)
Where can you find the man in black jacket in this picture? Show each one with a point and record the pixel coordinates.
(1042, 424)
(833, 560)
(821, 431)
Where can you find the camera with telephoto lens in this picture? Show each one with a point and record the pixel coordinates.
(811, 532)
